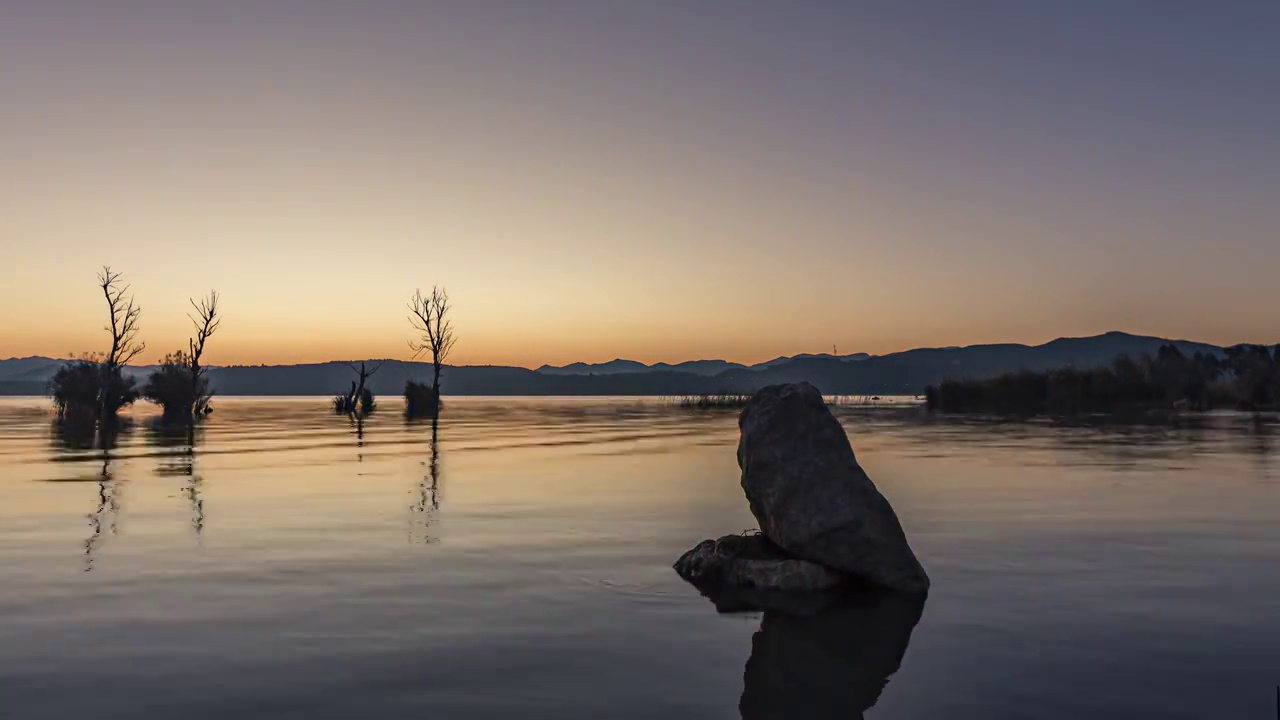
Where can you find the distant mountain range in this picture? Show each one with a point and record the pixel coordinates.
(706, 368)
(902, 373)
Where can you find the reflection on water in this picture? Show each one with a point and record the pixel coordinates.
(175, 448)
(284, 561)
(86, 437)
(427, 500)
(75, 434)
(830, 665)
(357, 429)
(103, 520)
(1104, 439)
(71, 434)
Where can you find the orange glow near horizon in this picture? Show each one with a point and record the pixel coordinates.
(245, 339)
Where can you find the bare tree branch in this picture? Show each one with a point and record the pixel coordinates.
(357, 390)
(363, 370)
(428, 315)
(124, 317)
(206, 323)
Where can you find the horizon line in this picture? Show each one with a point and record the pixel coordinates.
(663, 362)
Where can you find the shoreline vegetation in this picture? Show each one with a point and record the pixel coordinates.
(1244, 377)
(740, 400)
(91, 390)
(711, 400)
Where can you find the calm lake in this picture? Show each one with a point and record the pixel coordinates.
(299, 566)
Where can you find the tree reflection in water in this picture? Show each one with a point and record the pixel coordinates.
(175, 445)
(427, 498)
(79, 436)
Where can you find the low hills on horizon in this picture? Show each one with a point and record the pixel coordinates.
(709, 368)
(901, 373)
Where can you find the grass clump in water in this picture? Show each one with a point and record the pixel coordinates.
(713, 400)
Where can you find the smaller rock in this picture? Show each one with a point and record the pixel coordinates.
(748, 572)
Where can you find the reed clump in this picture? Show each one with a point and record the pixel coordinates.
(713, 400)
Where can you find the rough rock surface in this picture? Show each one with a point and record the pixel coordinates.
(751, 561)
(747, 572)
(811, 497)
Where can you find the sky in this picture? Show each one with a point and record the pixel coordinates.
(660, 181)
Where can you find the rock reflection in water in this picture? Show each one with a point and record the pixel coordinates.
(833, 664)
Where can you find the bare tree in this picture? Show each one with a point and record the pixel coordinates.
(429, 315)
(206, 322)
(358, 398)
(124, 328)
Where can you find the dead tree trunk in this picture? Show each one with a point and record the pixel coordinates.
(206, 322)
(125, 346)
(356, 400)
(429, 316)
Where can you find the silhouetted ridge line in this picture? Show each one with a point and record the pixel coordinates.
(902, 373)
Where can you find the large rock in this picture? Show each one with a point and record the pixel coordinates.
(812, 498)
(747, 572)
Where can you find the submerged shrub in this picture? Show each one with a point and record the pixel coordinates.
(75, 387)
(358, 402)
(84, 387)
(420, 399)
(359, 399)
(174, 387)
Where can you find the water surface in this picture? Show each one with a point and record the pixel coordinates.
(299, 565)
